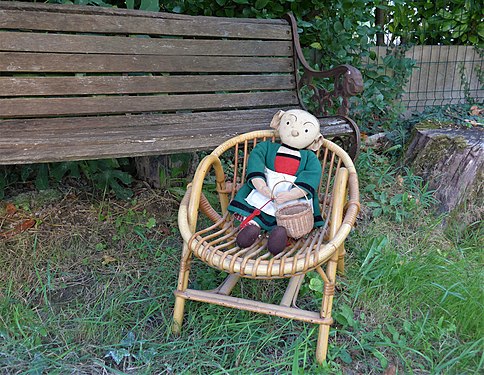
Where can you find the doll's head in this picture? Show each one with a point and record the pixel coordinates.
(298, 129)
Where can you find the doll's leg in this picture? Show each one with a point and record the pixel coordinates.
(277, 240)
(249, 234)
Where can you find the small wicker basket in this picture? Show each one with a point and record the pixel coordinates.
(297, 218)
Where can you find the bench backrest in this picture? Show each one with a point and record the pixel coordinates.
(78, 61)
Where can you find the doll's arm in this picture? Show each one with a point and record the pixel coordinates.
(285, 196)
(255, 169)
(307, 181)
(261, 186)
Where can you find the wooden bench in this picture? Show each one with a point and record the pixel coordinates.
(89, 83)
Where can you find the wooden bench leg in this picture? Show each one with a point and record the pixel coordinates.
(182, 286)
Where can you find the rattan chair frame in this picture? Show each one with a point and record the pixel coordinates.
(322, 250)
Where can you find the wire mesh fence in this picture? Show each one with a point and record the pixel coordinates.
(443, 74)
(444, 38)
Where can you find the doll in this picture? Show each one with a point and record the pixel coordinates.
(292, 161)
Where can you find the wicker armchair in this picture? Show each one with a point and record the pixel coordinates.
(211, 236)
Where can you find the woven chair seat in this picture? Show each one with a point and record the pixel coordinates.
(215, 245)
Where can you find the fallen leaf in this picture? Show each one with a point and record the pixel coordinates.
(391, 370)
(107, 259)
(11, 209)
(473, 122)
(166, 231)
(476, 111)
(19, 228)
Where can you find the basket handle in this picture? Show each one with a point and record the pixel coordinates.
(292, 183)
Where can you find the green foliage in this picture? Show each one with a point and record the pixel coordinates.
(106, 175)
(437, 21)
(239, 8)
(148, 5)
(344, 32)
(131, 349)
(409, 287)
(82, 2)
(379, 107)
(445, 116)
(392, 191)
(173, 174)
(466, 85)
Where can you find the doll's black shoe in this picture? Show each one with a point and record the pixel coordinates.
(277, 240)
(247, 236)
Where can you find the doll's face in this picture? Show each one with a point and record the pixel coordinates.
(298, 128)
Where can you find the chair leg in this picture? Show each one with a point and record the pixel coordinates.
(341, 260)
(326, 308)
(292, 290)
(322, 345)
(229, 283)
(182, 285)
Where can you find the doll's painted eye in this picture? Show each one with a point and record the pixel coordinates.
(307, 130)
(287, 123)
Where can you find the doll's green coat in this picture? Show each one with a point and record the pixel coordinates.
(308, 177)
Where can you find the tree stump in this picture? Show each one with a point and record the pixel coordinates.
(148, 168)
(165, 171)
(452, 162)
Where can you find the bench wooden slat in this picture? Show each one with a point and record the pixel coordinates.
(184, 129)
(61, 43)
(75, 63)
(83, 138)
(36, 153)
(172, 120)
(92, 85)
(20, 107)
(114, 24)
(145, 132)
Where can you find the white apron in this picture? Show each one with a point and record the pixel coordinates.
(258, 200)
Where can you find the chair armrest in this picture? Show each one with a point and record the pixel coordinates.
(197, 200)
(347, 79)
(339, 200)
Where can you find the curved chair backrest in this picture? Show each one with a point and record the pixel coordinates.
(235, 152)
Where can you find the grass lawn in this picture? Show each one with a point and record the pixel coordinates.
(89, 290)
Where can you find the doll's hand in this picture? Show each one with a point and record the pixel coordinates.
(286, 196)
(266, 192)
(262, 187)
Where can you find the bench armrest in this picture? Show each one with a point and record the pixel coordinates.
(347, 79)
